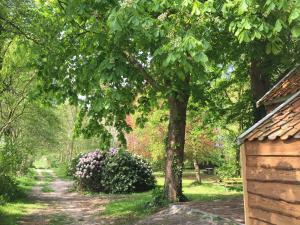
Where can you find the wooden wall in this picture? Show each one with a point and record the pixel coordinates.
(271, 172)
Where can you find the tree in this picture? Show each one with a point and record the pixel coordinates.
(268, 32)
(127, 57)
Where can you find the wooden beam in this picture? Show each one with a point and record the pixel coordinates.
(244, 176)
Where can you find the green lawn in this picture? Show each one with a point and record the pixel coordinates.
(134, 206)
(11, 212)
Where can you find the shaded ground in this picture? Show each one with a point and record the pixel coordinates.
(232, 209)
(64, 207)
(185, 214)
(60, 207)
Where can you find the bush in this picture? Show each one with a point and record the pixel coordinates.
(125, 173)
(89, 170)
(158, 198)
(9, 190)
(227, 170)
(73, 164)
(113, 172)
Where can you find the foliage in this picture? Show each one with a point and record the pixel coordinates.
(149, 141)
(229, 165)
(11, 212)
(200, 145)
(73, 164)
(125, 173)
(89, 171)
(113, 172)
(110, 59)
(278, 20)
(158, 198)
(8, 188)
(227, 170)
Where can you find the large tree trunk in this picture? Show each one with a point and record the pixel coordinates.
(259, 86)
(175, 146)
(197, 171)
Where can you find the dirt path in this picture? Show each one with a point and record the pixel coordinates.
(64, 207)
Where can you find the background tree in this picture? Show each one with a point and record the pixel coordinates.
(200, 146)
(268, 32)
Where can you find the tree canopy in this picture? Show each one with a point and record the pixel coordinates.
(112, 59)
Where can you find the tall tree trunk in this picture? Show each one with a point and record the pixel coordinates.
(175, 146)
(259, 86)
(197, 171)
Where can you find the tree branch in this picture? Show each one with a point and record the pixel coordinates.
(20, 31)
(142, 69)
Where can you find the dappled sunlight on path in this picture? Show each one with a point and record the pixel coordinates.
(64, 207)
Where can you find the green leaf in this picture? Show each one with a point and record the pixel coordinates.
(257, 34)
(196, 8)
(247, 25)
(296, 31)
(243, 7)
(278, 27)
(294, 15)
(201, 57)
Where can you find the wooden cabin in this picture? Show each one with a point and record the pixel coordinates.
(270, 157)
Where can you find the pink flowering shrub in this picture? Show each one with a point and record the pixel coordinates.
(114, 171)
(88, 170)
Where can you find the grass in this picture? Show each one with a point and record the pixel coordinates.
(61, 171)
(47, 177)
(12, 211)
(45, 188)
(134, 206)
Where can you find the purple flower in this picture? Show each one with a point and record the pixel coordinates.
(113, 151)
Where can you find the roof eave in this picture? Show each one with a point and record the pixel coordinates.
(244, 135)
(262, 99)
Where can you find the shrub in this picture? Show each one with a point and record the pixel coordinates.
(227, 170)
(9, 190)
(158, 198)
(124, 173)
(88, 171)
(73, 165)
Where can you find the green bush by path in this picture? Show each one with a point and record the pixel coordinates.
(11, 211)
(115, 171)
(126, 173)
(9, 189)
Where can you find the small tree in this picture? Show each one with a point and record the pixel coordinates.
(199, 146)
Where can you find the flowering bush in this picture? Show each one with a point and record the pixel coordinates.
(125, 173)
(113, 172)
(73, 165)
(88, 170)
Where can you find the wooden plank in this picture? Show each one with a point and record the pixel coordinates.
(275, 148)
(244, 176)
(280, 191)
(284, 163)
(273, 218)
(264, 174)
(282, 207)
(258, 222)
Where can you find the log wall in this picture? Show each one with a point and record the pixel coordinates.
(271, 173)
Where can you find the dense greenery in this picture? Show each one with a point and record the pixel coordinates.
(125, 173)
(82, 67)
